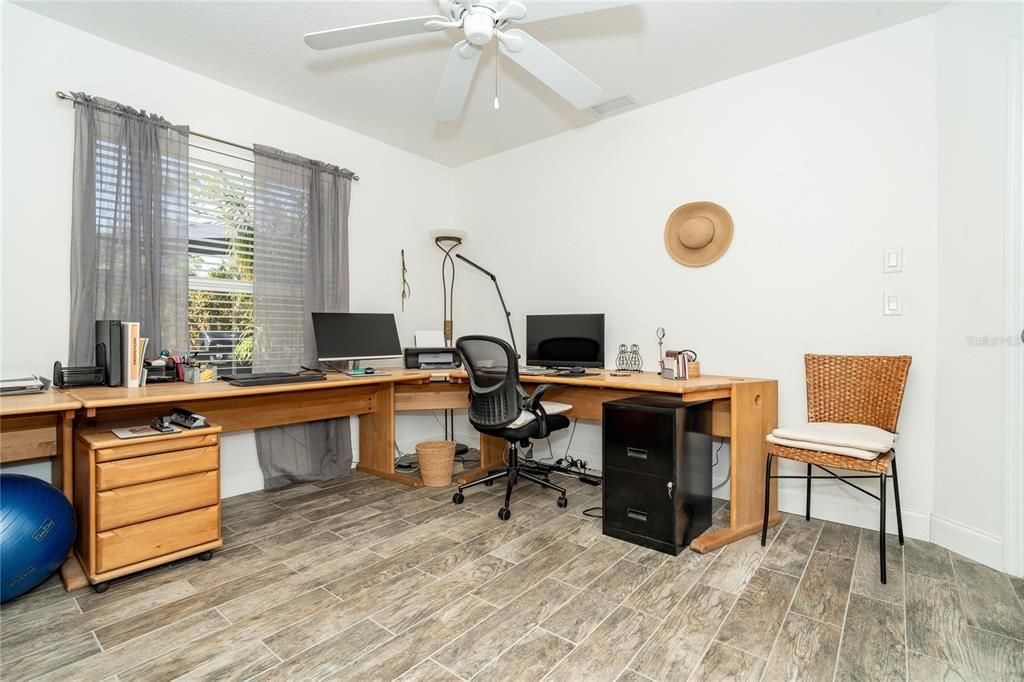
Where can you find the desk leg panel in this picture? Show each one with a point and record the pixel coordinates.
(377, 438)
(71, 574)
(65, 449)
(492, 456)
(754, 414)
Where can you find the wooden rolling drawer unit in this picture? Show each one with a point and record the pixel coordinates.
(145, 501)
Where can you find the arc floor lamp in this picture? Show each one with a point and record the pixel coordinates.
(448, 241)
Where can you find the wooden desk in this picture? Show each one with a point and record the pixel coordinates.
(240, 408)
(744, 410)
(40, 426)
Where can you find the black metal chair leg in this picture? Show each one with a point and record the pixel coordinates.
(541, 482)
(881, 529)
(896, 494)
(484, 479)
(807, 513)
(508, 488)
(767, 497)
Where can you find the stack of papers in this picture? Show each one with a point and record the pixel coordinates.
(30, 384)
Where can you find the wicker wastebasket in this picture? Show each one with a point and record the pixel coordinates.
(437, 460)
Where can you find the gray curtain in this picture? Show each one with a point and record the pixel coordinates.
(300, 266)
(129, 237)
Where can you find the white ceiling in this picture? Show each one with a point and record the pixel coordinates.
(651, 51)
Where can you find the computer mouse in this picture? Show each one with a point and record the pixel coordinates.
(368, 370)
(577, 370)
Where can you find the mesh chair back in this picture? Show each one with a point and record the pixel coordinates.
(495, 396)
(856, 389)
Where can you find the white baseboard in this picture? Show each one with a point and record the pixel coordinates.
(862, 513)
(975, 544)
(240, 482)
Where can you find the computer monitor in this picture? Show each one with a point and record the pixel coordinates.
(356, 336)
(565, 340)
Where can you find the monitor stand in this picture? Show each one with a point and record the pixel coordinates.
(570, 374)
(355, 371)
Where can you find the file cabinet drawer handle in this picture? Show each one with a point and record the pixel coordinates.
(636, 515)
(636, 453)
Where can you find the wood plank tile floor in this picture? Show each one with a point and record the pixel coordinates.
(362, 579)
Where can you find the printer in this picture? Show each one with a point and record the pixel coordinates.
(432, 358)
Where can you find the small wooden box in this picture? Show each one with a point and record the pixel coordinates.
(145, 501)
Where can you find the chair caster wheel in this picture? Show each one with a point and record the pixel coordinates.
(458, 498)
(563, 502)
(100, 588)
(205, 556)
(488, 483)
(504, 514)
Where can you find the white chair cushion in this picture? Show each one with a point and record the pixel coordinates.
(857, 436)
(823, 447)
(550, 408)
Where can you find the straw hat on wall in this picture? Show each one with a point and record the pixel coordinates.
(698, 233)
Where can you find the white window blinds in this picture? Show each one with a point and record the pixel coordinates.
(220, 249)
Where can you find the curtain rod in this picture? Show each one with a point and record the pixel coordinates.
(63, 95)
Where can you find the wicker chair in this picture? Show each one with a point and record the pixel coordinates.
(850, 389)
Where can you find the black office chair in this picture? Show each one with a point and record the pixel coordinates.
(498, 406)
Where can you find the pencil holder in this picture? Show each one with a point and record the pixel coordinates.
(199, 375)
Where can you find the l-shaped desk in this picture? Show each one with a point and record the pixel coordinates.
(743, 410)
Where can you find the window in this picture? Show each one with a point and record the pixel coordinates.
(220, 253)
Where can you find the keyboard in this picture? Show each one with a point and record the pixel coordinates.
(272, 378)
(535, 371)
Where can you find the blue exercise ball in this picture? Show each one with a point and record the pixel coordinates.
(37, 529)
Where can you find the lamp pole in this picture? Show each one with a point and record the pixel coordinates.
(508, 315)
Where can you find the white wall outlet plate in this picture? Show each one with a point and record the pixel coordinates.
(892, 303)
(892, 260)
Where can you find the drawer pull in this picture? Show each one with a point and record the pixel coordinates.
(636, 515)
(668, 489)
(636, 453)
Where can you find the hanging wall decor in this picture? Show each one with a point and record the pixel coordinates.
(698, 233)
(406, 289)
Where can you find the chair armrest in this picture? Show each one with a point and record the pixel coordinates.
(532, 404)
(533, 401)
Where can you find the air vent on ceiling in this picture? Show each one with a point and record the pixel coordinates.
(614, 106)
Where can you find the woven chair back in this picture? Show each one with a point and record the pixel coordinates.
(856, 389)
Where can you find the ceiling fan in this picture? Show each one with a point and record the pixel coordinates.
(481, 21)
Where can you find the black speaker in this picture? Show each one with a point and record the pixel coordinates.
(108, 350)
(657, 472)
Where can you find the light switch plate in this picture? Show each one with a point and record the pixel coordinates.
(892, 303)
(892, 260)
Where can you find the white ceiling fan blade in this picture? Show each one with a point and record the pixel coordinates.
(539, 10)
(366, 33)
(550, 69)
(458, 76)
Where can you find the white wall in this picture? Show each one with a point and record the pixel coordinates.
(822, 161)
(399, 198)
(974, 47)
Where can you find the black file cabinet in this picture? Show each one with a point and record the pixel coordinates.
(657, 473)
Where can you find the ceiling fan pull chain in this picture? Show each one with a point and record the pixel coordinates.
(497, 103)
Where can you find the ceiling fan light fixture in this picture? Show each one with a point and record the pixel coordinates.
(480, 21)
(479, 28)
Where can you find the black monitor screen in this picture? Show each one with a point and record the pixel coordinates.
(565, 340)
(356, 336)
